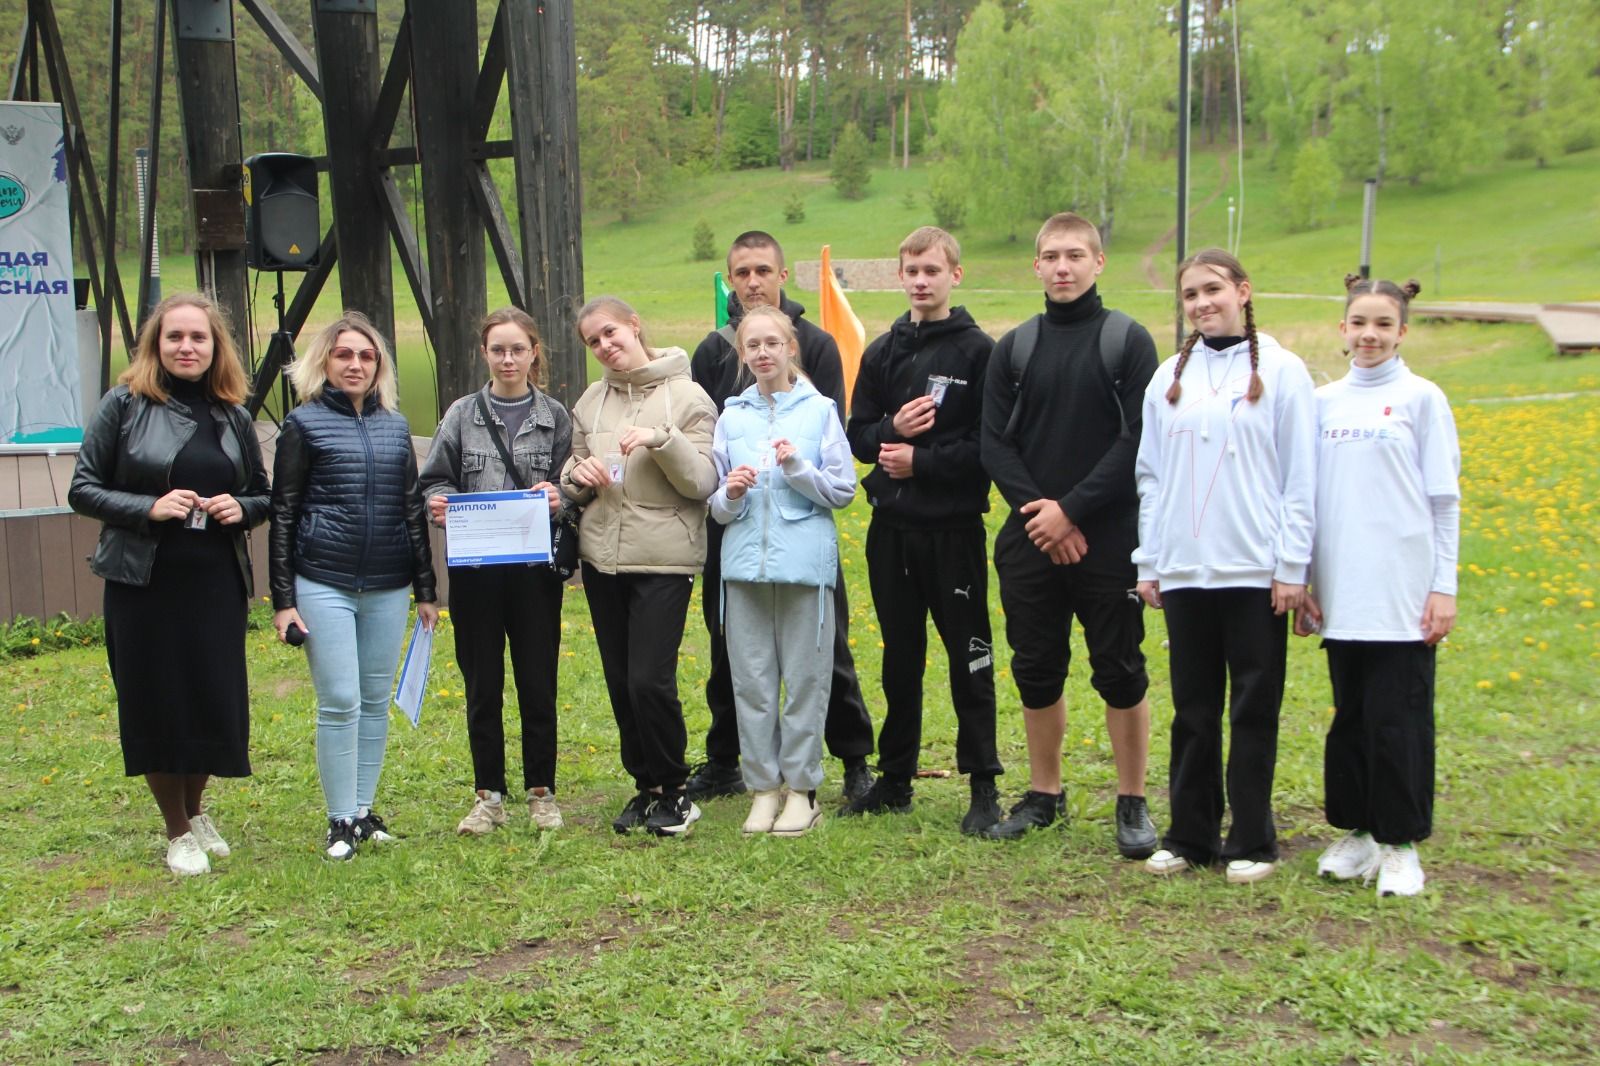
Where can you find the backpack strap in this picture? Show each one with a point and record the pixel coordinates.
(1113, 347)
(731, 335)
(1023, 341)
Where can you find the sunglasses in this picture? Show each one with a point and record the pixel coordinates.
(366, 355)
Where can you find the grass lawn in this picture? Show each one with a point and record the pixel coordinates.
(877, 941)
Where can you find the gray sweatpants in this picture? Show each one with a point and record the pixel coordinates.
(776, 636)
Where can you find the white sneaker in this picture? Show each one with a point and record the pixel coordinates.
(1165, 863)
(1352, 855)
(186, 858)
(542, 808)
(1249, 871)
(800, 813)
(1399, 870)
(764, 811)
(205, 831)
(486, 816)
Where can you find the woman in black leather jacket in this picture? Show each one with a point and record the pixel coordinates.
(522, 602)
(171, 465)
(349, 545)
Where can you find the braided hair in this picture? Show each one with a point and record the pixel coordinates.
(1356, 285)
(1218, 259)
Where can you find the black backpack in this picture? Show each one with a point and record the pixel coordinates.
(1113, 346)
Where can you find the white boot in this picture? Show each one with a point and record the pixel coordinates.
(764, 811)
(800, 813)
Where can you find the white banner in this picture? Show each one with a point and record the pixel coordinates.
(39, 395)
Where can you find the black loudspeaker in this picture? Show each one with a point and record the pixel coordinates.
(282, 226)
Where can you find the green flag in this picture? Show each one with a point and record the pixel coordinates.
(719, 293)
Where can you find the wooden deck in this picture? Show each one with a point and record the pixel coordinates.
(1572, 327)
(45, 546)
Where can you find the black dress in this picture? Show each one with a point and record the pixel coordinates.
(176, 646)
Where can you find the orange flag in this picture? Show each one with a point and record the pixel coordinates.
(840, 321)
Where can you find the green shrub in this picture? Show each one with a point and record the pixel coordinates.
(947, 197)
(794, 209)
(705, 242)
(850, 171)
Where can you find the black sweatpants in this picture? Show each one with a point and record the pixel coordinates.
(1224, 642)
(1377, 768)
(943, 572)
(848, 728)
(638, 624)
(488, 605)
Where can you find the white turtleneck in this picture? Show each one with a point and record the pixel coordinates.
(1388, 502)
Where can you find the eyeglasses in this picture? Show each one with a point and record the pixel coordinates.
(366, 355)
(755, 347)
(500, 351)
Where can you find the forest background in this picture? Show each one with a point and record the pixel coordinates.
(1018, 108)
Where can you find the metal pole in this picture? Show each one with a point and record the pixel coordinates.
(1181, 235)
(150, 276)
(150, 270)
(1369, 209)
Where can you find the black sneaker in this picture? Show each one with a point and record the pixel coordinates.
(857, 779)
(985, 809)
(342, 839)
(1034, 811)
(714, 778)
(632, 816)
(1136, 833)
(883, 796)
(369, 827)
(671, 814)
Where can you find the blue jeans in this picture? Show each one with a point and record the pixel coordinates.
(353, 647)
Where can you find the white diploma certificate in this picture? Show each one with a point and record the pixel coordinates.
(413, 683)
(489, 528)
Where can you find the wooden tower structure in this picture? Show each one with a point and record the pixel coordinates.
(530, 55)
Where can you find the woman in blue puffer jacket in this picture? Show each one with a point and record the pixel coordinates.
(349, 546)
(785, 467)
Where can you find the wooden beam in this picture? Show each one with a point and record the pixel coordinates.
(24, 50)
(205, 64)
(487, 196)
(444, 42)
(348, 39)
(490, 78)
(288, 45)
(542, 62)
(407, 248)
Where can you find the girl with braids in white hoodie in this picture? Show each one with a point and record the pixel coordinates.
(1227, 485)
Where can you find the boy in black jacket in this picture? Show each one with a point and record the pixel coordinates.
(915, 414)
(757, 274)
(1060, 436)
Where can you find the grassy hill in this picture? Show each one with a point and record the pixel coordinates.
(1508, 232)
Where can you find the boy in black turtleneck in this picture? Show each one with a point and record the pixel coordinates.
(915, 415)
(757, 273)
(1065, 465)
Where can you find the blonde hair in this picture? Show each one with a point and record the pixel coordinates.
(538, 373)
(785, 327)
(224, 379)
(1073, 223)
(927, 238)
(309, 373)
(615, 309)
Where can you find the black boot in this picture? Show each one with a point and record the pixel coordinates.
(857, 778)
(1136, 833)
(883, 796)
(985, 808)
(714, 778)
(1034, 811)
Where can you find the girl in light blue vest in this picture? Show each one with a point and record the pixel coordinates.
(785, 467)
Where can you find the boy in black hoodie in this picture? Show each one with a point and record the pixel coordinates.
(1060, 444)
(757, 274)
(915, 414)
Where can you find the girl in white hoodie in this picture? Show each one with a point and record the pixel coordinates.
(1227, 484)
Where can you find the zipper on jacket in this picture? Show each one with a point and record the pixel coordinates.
(366, 539)
(766, 501)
